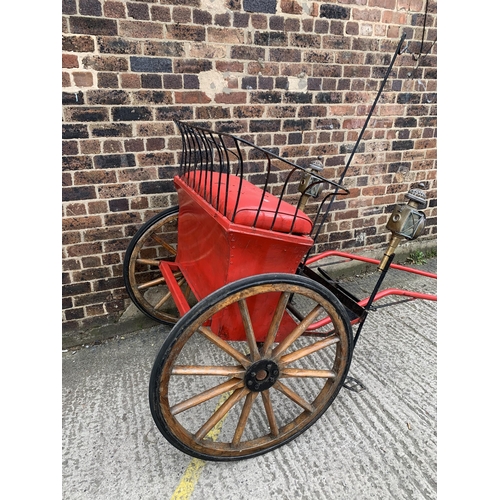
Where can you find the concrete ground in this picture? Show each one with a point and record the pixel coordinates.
(379, 443)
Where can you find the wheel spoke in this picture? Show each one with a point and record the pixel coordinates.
(220, 413)
(247, 323)
(148, 262)
(266, 397)
(306, 351)
(222, 344)
(230, 385)
(293, 396)
(151, 283)
(245, 412)
(164, 244)
(297, 332)
(275, 323)
(300, 372)
(167, 296)
(224, 371)
(163, 300)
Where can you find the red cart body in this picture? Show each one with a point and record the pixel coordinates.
(213, 251)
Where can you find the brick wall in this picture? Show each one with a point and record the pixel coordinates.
(294, 76)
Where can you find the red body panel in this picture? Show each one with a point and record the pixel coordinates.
(213, 252)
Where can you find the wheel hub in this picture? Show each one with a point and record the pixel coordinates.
(261, 375)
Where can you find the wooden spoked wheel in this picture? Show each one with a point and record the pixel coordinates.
(155, 241)
(221, 400)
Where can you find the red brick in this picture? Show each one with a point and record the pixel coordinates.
(70, 61)
(83, 79)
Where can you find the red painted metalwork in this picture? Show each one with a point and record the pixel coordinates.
(167, 270)
(348, 256)
(383, 293)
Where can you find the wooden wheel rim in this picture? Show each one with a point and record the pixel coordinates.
(220, 450)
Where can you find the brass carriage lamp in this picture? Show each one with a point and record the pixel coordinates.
(406, 221)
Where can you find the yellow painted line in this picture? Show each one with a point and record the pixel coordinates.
(192, 473)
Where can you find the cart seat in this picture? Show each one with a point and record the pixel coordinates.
(249, 208)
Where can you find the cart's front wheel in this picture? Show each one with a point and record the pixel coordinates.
(155, 241)
(218, 399)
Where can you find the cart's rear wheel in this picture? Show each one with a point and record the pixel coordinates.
(225, 400)
(155, 241)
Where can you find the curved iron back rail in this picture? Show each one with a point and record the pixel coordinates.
(210, 158)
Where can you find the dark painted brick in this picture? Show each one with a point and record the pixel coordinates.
(285, 55)
(266, 97)
(78, 193)
(114, 161)
(202, 17)
(127, 114)
(151, 81)
(75, 289)
(154, 187)
(114, 130)
(72, 98)
(249, 82)
(298, 97)
(90, 7)
(171, 113)
(89, 114)
(295, 138)
(191, 82)
(333, 12)
(406, 122)
(119, 205)
(138, 11)
(240, 20)
(271, 38)
(401, 145)
(150, 64)
(266, 82)
(172, 81)
(264, 125)
(93, 26)
(408, 98)
(292, 125)
(281, 82)
(69, 7)
(264, 6)
(75, 132)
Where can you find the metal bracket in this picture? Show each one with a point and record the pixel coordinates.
(353, 384)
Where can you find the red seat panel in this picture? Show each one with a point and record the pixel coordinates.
(213, 186)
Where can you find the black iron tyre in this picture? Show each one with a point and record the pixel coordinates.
(223, 400)
(155, 241)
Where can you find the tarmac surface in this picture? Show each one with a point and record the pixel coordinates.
(380, 443)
